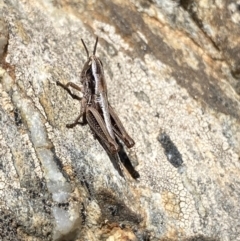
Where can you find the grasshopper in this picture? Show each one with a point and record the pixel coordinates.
(95, 108)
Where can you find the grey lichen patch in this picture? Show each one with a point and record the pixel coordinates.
(201, 238)
(17, 117)
(142, 96)
(8, 226)
(3, 38)
(114, 210)
(170, 150)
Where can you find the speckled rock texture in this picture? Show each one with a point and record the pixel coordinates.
(173, 75)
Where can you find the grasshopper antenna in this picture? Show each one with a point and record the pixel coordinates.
(85, 48)
(95, 46)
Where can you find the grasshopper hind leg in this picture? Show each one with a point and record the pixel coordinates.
(82, 114)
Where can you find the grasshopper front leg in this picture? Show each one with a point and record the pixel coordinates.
(66, 87)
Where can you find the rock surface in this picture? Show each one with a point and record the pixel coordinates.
(172, 70)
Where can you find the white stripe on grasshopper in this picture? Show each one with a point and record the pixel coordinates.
(101, 97)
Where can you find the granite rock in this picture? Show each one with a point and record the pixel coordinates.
(172, 71)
